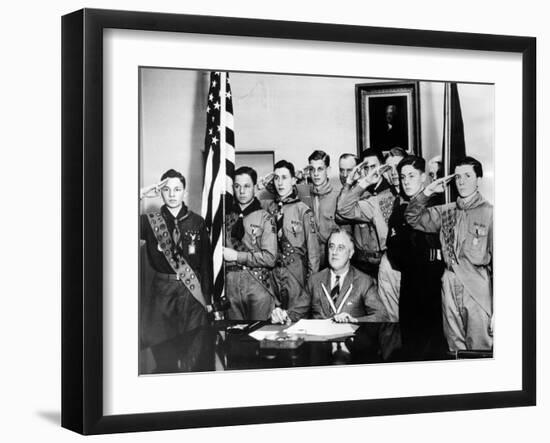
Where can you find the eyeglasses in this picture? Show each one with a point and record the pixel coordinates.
(340, 248)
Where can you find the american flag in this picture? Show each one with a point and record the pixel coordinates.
(220, 166)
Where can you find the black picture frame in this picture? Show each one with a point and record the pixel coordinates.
(373, 102)
(82, 220)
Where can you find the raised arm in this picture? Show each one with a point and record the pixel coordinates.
(421, 217)
(350, 206)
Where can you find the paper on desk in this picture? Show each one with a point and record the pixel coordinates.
(265, 331)
(322, 328)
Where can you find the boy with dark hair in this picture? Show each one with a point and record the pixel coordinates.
(249, 252)
(298, 243)
(417, 255)
(465, 230)
(178, 248)
(366, 202)
(323, 199)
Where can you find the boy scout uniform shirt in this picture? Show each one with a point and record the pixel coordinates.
(258, 247)
(466, 234)
(194, 245)
(323, 204)
(301, 234)
(370, 208)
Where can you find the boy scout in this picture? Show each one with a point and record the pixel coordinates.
(418, 256)
(178, 248)
(250, 252)
(466, 232)
(323, 199)
(298, 243)
(340, 291)
(392, 160)
(389, 278)
(367, 203)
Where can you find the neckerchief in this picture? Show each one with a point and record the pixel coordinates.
(292, 198)
(322, 189)
(470, 202)
(173, 226)
(318, 192)
(237, 232)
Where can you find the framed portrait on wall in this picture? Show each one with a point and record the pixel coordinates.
(388, 116)
(145, 107)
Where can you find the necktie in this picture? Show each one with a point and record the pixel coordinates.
(336, 289)
(280, 221)
(237, 231)
(176, 235)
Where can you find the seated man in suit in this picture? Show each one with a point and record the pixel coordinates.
(340, 291)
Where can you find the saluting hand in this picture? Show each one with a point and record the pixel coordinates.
(386, 171)
(263, 181)
(354, 174)
(370, 178)
(438, 186)
(152, 190)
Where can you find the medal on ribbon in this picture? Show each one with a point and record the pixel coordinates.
(191, 249)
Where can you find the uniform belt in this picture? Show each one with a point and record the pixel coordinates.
(167, 276)
(241, 268)
(433, 254)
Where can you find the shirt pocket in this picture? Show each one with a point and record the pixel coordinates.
(295, 232)
(255, 233)
(476, 243)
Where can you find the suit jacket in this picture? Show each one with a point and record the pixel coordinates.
(358, 297)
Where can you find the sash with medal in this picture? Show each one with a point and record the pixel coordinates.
(182, 269)
(289, 254)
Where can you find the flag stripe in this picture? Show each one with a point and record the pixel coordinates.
(219, 169)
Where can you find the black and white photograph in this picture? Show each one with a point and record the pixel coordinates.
(293, 220)
(287, 221)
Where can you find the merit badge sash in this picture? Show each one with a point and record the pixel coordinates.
(385, 202)
(182, 269)
(448, 225)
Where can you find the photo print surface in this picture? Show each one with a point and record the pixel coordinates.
(298, 220)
